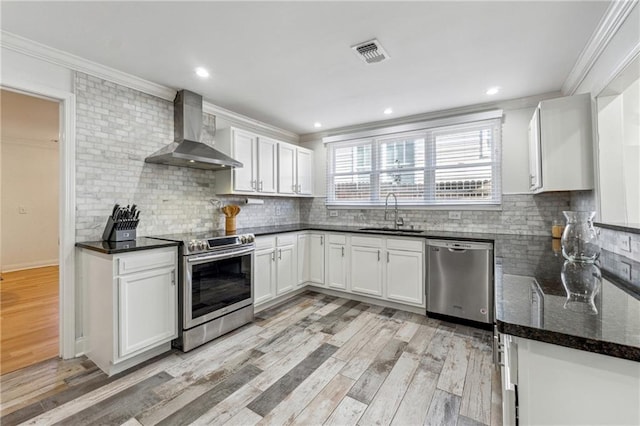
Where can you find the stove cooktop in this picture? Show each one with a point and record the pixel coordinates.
(200, 242)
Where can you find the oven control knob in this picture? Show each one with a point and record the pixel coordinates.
(251, 238)
(202, 245)
(243, 239)
(192, 245)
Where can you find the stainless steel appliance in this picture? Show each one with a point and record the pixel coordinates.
(187, 150)
(460, 280)
(216, 285)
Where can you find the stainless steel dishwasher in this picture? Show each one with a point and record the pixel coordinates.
(460, 279)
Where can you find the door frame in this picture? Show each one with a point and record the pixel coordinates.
(66, 207)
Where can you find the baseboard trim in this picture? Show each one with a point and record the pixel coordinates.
(29, 265)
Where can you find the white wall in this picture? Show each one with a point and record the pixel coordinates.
(29, 181)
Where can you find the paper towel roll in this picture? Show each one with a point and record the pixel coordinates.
(253, 201)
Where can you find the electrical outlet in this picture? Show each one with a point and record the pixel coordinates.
(333, 213)
(22, 210)
(625, 243)
(625, 271)
(455, 215)
(278, 211)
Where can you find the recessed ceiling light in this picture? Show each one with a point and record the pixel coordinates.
(192, 161)
(202, 72)
(316, 124)
(493, 90)
(388, 111)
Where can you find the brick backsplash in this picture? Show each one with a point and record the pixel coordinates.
(116, 128)
(520, 214)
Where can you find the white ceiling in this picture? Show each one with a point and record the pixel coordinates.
(290, 63)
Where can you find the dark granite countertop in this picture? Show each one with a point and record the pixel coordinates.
(531, 300)
(109, 247)
(278, 229)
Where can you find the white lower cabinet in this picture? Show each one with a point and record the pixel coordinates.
(132, 305)
(264, 284)
(388, 268)
(303, 258)
(405, 271)
(276, 269)
(366, 270)
(556, 385)
(337, 262)
(316, 258)
(286, 269)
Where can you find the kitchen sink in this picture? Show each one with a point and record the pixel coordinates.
(399, 231)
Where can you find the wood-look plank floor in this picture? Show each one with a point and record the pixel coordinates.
(29, 317)
(315, 359)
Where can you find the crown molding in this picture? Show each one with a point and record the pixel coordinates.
(613, 18)
(240, 119)
(76, 63)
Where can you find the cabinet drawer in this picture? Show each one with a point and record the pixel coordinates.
(402, 244)
(337, 239)
(142, 261)
(265, 242)
(285, 240)
(366, 241)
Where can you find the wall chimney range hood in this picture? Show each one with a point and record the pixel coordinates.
(186, 150)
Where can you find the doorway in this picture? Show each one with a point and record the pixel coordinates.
(29, 237)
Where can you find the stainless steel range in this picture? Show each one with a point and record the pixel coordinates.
(216, 285)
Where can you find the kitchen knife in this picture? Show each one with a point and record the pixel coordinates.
(116, 207)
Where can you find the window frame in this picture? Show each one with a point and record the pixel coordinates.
(490, 120)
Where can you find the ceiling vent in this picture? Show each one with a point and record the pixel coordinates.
(370, 51)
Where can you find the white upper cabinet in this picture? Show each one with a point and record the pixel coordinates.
(243, 149)
(270, 167)
(294, 169)
(267, 166)
(560, 145)
(304, 170)
(286, 169)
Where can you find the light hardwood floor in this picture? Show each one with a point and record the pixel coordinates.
(29, 317)
(315, 359)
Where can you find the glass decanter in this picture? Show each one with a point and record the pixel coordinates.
(579, 239)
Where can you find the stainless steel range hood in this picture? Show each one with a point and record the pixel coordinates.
(187, 150)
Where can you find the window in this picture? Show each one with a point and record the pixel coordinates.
(455, 164)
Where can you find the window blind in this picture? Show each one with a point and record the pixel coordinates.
(450, 165)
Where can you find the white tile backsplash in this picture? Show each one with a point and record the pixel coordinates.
(116, 128)
(520, 214)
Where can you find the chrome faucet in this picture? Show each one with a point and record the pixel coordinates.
(397, 221)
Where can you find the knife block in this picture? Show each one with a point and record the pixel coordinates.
(111, 233)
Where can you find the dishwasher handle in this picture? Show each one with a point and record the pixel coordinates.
(459, 246)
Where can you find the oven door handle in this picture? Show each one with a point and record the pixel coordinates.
(220, 256)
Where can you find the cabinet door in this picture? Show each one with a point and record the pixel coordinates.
(405, 282)
(304, 170)
(147, 310)
(244, 150)
(535, 154)
(316, 258)
(286, 269)
(337, 266)
(286, 169)
(267, 165)
(265, 273)
(303, 258)
(366, 270)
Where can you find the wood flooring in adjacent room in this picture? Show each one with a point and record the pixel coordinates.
(29, 317)
(316, 359)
